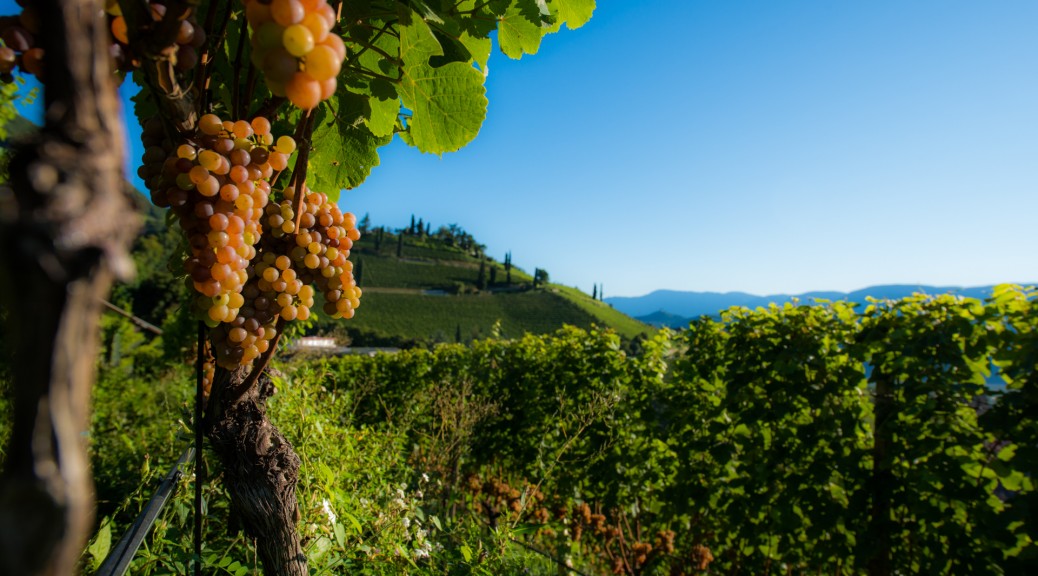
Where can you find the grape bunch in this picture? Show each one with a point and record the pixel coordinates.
(293, 44)
(314, 253)
(190, 37)
(218, 184)
(20, 47)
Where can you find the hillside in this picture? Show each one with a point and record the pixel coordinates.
(427, 287)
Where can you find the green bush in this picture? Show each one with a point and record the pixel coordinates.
(818, 439)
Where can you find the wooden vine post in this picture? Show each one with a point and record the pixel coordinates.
(64, 235)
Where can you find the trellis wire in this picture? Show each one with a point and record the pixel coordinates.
(118, 560)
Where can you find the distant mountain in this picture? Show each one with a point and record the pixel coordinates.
(676, 308)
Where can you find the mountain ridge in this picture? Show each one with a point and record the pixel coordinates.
(677, 307)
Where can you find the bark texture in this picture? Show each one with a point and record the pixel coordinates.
(260, 469)
(65, 226)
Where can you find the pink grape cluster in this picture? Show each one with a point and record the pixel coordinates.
(295, 47)
(218, 185)
(184, 51)
(314, 253)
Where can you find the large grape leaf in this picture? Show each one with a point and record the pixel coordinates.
(344, 149)
(448, 103)
(520, 30)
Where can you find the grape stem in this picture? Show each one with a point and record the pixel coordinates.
(215, 45)
(303, 133)
(203, 54)
(250, 86)
(236, 84)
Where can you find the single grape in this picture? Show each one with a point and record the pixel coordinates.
(334, 42)
(186, 33)
(285, 145)
(287, 12)
(119, 29)
(298, 40)
(32, 61)
(323, 63)
(317, 25)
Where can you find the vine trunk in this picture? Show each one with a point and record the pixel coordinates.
(261, 469)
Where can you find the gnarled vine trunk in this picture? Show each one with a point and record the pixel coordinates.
(260, 469)
(65, 227)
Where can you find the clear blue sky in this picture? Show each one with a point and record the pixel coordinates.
(750, 145)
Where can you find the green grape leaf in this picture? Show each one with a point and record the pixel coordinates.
(418, 43)
(484, 16)
(383, 116)
(448, 103)
(520, 29)
(478, 47)
(467, 45)
(427, 12)
(453, 49)
(575, 13)
(344, 149)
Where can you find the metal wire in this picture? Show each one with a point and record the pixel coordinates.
(118, 560)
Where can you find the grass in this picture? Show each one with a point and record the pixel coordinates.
(388, 272)
(439, 317)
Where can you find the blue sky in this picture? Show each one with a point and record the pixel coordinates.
(750, 145)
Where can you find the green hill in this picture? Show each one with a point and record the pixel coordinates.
(433, 292)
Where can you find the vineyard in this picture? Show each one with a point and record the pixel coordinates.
(803, 439)
(821, 438)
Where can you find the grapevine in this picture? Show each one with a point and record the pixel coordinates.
(234, 97)
(252, 264)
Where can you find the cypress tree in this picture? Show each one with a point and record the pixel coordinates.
(594, 292)
(481, 280)
(400, 245)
